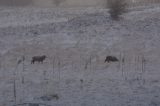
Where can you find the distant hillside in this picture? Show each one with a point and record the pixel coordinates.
(15, 2)
(69, 3)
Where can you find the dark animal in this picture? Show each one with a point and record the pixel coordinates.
(111, 59)
(38, 59)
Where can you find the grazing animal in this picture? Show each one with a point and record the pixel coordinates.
(38, 59)
(111, 59)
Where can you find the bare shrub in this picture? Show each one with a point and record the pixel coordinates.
(116, 8)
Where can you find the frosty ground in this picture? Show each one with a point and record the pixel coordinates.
(76, 43)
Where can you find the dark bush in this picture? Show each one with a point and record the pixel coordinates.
(116, 8)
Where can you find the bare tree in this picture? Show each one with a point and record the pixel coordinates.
(116, 8)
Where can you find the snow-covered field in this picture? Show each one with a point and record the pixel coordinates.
(76, 43)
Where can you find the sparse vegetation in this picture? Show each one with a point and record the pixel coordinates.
(76, 73)
(116, 8)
